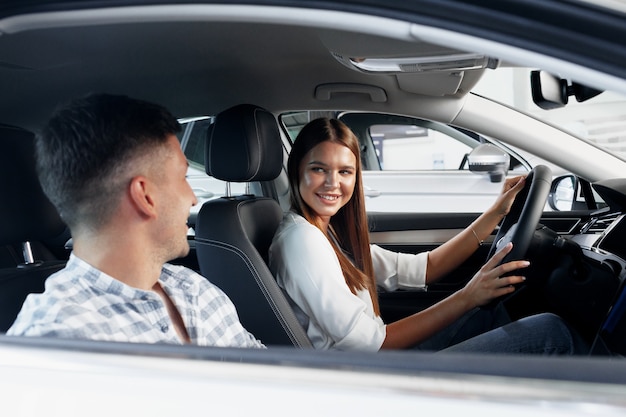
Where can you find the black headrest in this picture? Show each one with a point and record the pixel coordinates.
(26, 214)
(243, 144)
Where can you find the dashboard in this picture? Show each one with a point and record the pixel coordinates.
(600, 272)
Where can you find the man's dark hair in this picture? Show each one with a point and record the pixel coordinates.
(87, 146)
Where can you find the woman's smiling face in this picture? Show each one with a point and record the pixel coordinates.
(327, 178)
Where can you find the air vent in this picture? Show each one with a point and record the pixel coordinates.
(600, 224)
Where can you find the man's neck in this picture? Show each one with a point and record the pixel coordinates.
(122, 260)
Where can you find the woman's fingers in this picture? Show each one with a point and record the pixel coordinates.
(510, 189)
(495, 260)
(498, 256)
(509, 281)
(514, 184)
(495, 270)
(489, 283)
(518, 186)
(512, 266)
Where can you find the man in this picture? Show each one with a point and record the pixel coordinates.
(114, 169)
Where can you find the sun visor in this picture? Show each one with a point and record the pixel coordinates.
(432, 84)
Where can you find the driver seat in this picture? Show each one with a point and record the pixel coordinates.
(233, 233)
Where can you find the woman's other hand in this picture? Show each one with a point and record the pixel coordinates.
(488, 283)
(510, 189)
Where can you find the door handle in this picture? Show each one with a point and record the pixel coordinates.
(369, 192)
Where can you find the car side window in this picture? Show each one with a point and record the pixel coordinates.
(415, 165)
(412, 147)
(192, 140)
(393, 143)
(193, 137)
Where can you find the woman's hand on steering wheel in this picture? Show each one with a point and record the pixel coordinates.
(510, 189)
(489, 283)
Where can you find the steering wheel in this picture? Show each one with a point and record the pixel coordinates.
(519, 225)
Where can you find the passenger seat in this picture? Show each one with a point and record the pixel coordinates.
(26, 216)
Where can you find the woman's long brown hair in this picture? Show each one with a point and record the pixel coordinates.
(348, 232)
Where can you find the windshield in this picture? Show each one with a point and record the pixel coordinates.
(600, 120)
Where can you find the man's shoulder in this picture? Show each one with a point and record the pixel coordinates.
(49, 313)
(186, 279)
(181, 274)
(71, 296)
(62, 285)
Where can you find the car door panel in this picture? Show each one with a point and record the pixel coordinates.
(415, 233)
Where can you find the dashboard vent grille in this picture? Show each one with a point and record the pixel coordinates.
(599, 224)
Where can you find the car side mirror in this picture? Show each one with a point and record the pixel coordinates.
(490, 160)
(563, 193)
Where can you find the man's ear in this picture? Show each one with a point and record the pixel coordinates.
(141, 196)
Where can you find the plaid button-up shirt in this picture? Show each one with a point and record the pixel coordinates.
(82, 302)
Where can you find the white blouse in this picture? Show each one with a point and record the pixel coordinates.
(306, 267)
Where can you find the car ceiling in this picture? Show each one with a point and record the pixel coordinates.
(200, 63)
(198, 59)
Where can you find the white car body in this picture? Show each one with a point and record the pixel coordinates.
(104, 381)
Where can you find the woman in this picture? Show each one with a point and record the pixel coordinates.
(322, 258)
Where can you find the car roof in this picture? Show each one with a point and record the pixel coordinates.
(198, 59)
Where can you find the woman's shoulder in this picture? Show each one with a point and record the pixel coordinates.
(296, 229)
(294, 223)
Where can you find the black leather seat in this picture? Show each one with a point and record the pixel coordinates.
(26, 216)
(233, 234)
